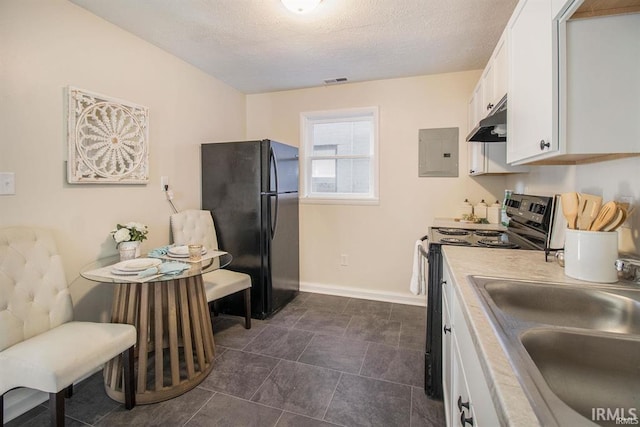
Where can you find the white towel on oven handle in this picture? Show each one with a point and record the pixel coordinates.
(418, 285)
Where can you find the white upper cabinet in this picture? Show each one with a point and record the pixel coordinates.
(495, 77)
(530, 126)
(574, 85)
(490, 158)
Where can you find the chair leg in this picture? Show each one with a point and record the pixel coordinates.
(68, 392)
(56, 408)
(129, 380)
(247, 308)
(2, 409)
(211, 312)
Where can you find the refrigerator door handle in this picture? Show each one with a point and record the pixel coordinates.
(274, 162)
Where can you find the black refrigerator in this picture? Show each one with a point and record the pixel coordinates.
(251, 189)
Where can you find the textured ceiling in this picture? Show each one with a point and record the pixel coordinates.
(259, 46)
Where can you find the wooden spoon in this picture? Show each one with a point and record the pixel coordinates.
(607, 214)
(621, 217)
(588, 210)
(570, 208)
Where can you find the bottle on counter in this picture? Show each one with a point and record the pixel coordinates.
(480, 210)
(494, 213)
(465, 209)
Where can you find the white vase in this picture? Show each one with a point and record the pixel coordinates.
(125, 250)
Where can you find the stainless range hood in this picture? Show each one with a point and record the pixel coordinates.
(492, 128)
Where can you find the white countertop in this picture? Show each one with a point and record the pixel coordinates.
(512, 405)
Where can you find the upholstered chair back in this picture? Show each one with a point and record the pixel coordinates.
(194, 226)
(34, 295)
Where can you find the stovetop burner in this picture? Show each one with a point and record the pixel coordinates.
(453, 232)
(493, 243)
(455, 241)
(488, 233)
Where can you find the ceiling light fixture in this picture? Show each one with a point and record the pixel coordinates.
(300, 6)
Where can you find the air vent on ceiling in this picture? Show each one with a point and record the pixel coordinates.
(335, 81)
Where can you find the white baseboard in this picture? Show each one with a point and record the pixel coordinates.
(346, 291)
(21, 400)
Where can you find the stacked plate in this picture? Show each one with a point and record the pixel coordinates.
(133, 267)
(182, 251)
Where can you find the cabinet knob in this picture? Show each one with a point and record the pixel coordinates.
(462, 404)
(472, 171)
(489, 106)
(446, 329)
(443, 282)
(544, 145)
(464, 420)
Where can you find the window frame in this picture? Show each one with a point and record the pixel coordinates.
(307, 120)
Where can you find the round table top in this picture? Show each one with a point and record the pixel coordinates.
(205, 266)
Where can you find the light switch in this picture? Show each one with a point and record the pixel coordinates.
(7, 183)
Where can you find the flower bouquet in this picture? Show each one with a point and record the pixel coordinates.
(129, 236)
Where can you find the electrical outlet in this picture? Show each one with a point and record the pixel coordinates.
(7, 183)
(344, 260)
(164, 183)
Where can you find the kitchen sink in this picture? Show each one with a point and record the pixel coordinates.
(587, 371)
(563, 305)
(574, 348)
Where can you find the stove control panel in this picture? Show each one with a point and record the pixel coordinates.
(531, 210)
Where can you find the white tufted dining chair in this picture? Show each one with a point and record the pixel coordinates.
(41, 347)
(196, 226)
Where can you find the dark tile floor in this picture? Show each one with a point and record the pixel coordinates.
(321, 361)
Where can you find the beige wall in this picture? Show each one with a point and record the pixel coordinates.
(46, 45)
(378, 240)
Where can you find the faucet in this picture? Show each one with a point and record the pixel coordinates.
(628, 269)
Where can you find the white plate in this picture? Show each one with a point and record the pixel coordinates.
(182, 251)
(136, 265)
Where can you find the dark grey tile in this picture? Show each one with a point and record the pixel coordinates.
(339, 353)
(374, 329)
(280, 342)
(425, 412)
(294, 420)
(228, 411)
(323, 322)
(288, 316)
(364, 307)
(90, 402)
(299, 388)
(230, 332)
(220, 350)
(409, 313)
(413, 336)
(331, 303)
(395, 364)
(172, 412)
(360, 401)
(239, 373)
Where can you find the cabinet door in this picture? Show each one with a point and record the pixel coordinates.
(462, 410)
(446, 358)
(476, 157)
(488, 87)
(531, 110)
(500, 70)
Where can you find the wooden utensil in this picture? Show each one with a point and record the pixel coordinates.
(588, 209)
(570, 208)
(621, 217)
(607, 214)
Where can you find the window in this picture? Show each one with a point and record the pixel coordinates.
(339, 156)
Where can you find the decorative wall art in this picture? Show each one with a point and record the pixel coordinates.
(108, 140)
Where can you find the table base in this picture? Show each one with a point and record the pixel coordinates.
(175, 348)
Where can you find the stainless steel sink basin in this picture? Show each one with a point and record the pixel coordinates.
(587, 371)
(575, 349)
(567, 306)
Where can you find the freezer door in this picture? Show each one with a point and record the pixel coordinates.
(281, 168)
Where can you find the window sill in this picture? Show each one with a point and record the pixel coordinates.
(339, 201)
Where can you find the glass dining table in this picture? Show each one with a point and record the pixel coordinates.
(175, 348)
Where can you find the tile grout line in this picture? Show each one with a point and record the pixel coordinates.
(266, 378)
(200, 408)
(332, 396)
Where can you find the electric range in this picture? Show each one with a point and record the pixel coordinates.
(535, 223)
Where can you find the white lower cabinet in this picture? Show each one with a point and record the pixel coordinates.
(467, 399)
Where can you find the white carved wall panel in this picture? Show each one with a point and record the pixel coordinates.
(108, 140)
